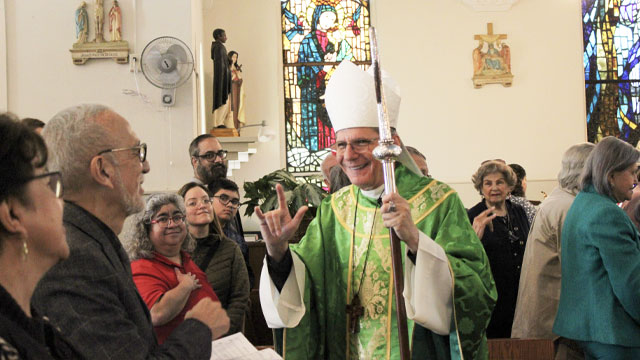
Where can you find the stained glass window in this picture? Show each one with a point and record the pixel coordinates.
(611, 54)
(316, 36)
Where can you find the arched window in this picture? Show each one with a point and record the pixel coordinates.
(316, 36)
(612, 76)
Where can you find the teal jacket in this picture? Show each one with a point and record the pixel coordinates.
(600, 296)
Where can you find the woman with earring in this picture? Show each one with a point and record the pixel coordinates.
(32, 240)
(218, 256)
(168, 280)
(600, 289)
(502, 227)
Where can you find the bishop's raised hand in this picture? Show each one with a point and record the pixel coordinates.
(277, 226)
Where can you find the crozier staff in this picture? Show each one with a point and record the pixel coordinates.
(343, 266)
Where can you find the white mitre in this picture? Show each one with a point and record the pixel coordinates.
(350, 98)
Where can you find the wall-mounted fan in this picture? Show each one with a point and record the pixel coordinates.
(167, 63)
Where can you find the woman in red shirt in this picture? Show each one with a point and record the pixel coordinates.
(168, 280)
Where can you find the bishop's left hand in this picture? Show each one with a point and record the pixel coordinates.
(400, 219)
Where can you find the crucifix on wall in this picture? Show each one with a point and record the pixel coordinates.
(493, 64)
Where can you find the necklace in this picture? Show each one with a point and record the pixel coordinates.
(355, 310)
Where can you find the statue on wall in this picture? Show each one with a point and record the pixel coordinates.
(115, 21)
(99, 13)
(83, 49)
(237, 91)
(82, 23)
(492, 66)
(221, 79)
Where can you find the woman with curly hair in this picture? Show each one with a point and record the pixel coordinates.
(502, 227)
(168, 280)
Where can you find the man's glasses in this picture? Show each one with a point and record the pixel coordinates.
(358, 145)
(142, 151)
(194, 202)
(212, 155)
(55, 182)
(164, 221)
(225, 200)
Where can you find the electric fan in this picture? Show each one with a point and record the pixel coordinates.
(167, 63)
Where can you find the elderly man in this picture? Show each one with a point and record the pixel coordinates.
(91, 296)
(333, 290)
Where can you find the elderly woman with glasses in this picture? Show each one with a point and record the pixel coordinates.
(502, 227)
(168, 280)
(32, 240)
(218, 256)
(600, 288)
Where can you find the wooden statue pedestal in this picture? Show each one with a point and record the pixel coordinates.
(117, 50)
(224, 132)
(481, 80)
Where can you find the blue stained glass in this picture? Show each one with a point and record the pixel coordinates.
(611, 60)
(316, 36)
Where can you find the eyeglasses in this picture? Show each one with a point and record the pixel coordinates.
(358, 145)
(225, 200)
(194, 202)
(177, 219)
(55, 182)
(212, 155)
(142, 151)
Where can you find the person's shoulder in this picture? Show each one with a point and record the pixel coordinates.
(143, 265)
(477, 209)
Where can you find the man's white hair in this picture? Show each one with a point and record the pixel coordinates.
(73, 138)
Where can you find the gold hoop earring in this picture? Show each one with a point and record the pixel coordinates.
(25, 251)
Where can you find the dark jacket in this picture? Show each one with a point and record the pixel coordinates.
(505, 255)
(29, 338)
(92, 298)
(227, 274)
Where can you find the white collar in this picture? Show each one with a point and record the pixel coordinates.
(375, 193)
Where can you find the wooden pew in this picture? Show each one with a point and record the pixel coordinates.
(521, 349)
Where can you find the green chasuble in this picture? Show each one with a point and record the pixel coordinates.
(335, 264)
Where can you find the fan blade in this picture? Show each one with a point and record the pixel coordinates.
(152, 58)
(170, 79)
(178, 51)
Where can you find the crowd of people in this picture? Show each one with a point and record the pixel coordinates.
(73, 284)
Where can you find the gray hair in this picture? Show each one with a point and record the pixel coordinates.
(136, 241)
(74, 138)
(337, 179)
(492, 167)
(415, 151)
(572, 164)
(610, 155)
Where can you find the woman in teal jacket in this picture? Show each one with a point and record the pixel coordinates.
(600, 296)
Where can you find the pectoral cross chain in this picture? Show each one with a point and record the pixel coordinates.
(355, 312)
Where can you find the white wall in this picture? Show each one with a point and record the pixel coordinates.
(428, 51)
(531, 123)
(425, 45)
(42, 79)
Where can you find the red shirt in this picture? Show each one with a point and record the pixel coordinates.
(155, 276)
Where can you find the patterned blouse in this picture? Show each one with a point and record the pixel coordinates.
(529, 209)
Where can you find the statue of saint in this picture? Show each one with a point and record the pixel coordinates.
(82, 23)
(237, 91)
(99, 13)
(115, 22)
(221, 80)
